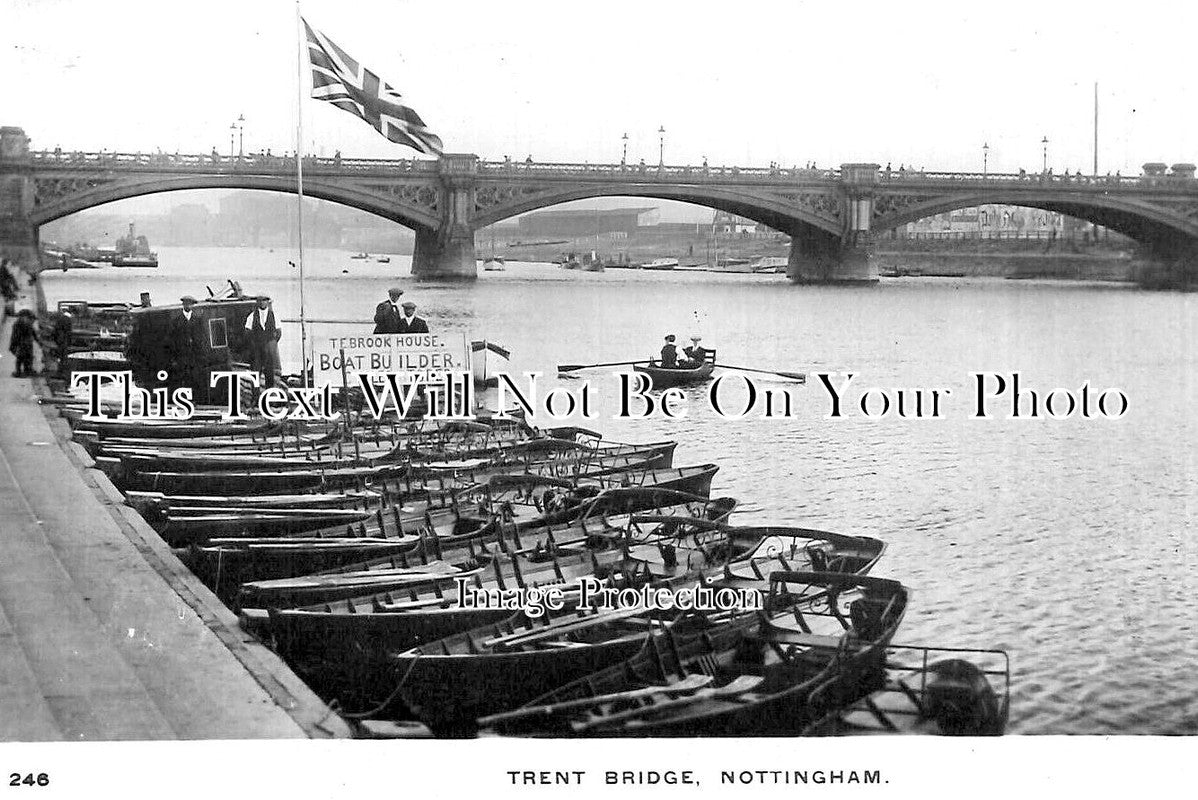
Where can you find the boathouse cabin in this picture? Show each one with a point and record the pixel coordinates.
(149, 348)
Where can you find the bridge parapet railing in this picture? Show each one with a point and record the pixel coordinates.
(270, 163)
(939, 179)
(231, 164)
(664, 173)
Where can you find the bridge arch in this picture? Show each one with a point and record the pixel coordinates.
(777, 212)
(352, 196)
(1144, 221)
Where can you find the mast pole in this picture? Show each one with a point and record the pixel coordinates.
(299, 185)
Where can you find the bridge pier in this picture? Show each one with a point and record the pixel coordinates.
(448, 253)
(1168, 263)
(442, 257)
(817, 258)
(18, 235)
(820, 257)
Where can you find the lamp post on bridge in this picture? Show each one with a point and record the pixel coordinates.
(661, 146)
(624, 155)
(232, 133)
(1044, 143)
(240, 135)
(985, 158)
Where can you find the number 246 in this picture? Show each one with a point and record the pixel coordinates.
(17, 779)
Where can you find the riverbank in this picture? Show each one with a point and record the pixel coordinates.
(107, 635)
(1005, 258)
(1059, 266)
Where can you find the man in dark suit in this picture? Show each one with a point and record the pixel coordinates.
(186, 345)
(262, 333)
(387, 314)
(410, 323)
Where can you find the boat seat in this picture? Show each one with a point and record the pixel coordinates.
(805, 639)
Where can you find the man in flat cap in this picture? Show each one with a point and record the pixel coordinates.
(669, 353)
(387, 314)
(186, 343)
(262, 334)
(410, 323)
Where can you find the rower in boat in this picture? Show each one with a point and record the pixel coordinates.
(669, 353)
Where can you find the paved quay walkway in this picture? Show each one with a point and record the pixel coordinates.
(104, 634)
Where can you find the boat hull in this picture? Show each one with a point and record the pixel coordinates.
(449, 695)
(668, 378)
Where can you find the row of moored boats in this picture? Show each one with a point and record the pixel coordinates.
(428, 577)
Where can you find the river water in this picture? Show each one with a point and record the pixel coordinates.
(1066, 542)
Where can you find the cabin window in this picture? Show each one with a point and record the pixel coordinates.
(218, 334)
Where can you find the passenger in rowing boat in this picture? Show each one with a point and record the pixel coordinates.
(669, 354)
(696, 354)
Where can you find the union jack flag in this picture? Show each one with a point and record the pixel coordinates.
(342, 81)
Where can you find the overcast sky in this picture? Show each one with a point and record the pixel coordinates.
(923, 84)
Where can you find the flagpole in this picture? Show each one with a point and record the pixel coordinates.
(299, 183)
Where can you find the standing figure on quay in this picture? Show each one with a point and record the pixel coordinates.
(262, 335)
(20, 343)
(186, 339)
(387, 314)
(410, 322)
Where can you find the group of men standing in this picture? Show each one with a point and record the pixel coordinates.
(261, 334)
(392, 316)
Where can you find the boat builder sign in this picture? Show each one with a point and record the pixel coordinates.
(412, 357)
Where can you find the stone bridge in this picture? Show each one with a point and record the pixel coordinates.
(830, 214)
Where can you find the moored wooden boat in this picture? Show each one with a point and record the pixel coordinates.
(451, 682)
(601, 525)
(929, 691)
(753, 676)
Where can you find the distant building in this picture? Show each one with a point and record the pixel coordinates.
(733, 225)
(990, 219)
(587, 221)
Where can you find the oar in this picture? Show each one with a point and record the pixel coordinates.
(576, 367)
(742, 685)
(798, 376)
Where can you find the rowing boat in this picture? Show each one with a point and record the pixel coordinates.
(604, 523)
(929, 691)
(451, 682)
(668, 377)
(755, 675)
